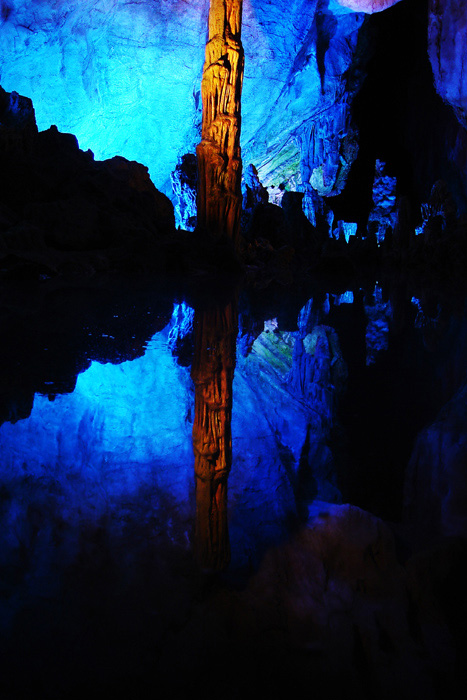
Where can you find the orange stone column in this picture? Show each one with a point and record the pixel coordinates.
(219, 158)
(212, 372)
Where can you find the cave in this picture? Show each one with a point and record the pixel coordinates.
(233, 377)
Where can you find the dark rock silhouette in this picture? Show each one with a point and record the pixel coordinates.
(64, 212)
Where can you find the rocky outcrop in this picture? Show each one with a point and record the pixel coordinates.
(60, 210)
(124, 77)
(184, 186)
(133, 84)
(447, 47)
(439, 214)
(253, 194)
(329, 146)
(368, 6)
(17, 120)
(383, 216)
(320, 142)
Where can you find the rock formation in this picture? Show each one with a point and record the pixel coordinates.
(133, 83)
(62, 211)
(253, 193)
(321, 103)
(368, 6)
(184, 185)
(382, 218)
(447, 47)
(219, 160)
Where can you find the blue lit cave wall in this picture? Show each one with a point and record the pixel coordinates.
(330, 87)
(125, 79)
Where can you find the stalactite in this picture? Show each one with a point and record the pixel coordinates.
(212, 371)
(219, 159)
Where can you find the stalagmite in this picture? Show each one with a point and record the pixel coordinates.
(219, 159)
(212, 371)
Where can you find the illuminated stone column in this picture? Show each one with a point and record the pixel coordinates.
(212, 372)
(219, 159)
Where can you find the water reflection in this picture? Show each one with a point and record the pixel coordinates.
(215, 334)
(100, 510)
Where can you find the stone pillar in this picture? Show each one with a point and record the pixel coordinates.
(212, 371)
(219, 159)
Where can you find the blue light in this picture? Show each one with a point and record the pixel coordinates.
(379, 315)
(120, 76)
(119, 450)
(125, 77)
(181, 323)
(384, 188)
(124, 426)
(346, 229)
(345, 298)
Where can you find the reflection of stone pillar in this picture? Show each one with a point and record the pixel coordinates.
(219, 161)
(212, 372)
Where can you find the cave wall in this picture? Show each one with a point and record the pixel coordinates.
(125, 78)
(368, 6)
(447, 47)
(402, 114)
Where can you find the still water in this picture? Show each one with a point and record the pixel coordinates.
(174, 478)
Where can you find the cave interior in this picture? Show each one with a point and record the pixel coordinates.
(233, 358)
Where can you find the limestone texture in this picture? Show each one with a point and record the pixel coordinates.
(447, 47)
(368, 6)
(219, 159)
(184, 185)
(382, 218)
(125, 78)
